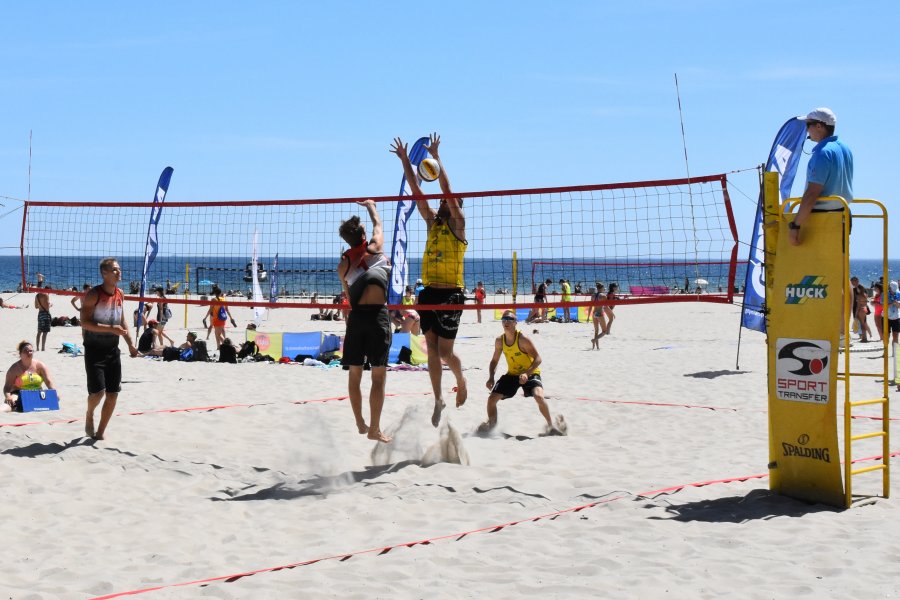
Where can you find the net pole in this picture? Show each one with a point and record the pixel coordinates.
(187, 287)
(687, 170)
(515, 276)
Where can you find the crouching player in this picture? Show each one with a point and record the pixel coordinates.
(522, 370)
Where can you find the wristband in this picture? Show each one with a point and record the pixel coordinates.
(793, 226)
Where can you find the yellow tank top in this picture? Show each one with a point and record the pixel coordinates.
(408, 300)
(443, 259)
(517, 362)
(29, 381)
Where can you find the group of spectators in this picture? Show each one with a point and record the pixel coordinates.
(860, 309)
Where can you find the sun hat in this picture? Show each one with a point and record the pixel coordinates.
(823, 115)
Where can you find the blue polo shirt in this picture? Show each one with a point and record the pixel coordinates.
(831, 165)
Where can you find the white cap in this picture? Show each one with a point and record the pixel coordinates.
(825, 115)
(418, 281)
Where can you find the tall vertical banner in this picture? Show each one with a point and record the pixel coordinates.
(400, 268)
(273, 281)
(783, 159)
(805, 300)
(259, 311)
(152, 246)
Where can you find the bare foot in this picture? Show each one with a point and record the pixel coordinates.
(100, 435)
(485, 428)
(436, 415)
(379, 437)
(462, 392)
(362, 427)
(89, 425)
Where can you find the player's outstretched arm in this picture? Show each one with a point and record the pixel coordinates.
(376, 241)
(399, 148)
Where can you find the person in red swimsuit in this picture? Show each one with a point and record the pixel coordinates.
(479, 297)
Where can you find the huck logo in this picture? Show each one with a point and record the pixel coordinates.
(810, 287)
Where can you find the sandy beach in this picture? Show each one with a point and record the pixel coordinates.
(217, 470)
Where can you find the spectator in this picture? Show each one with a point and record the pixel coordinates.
(878, 303)
(44, 319)
(479, 298)
(219, 315)
(76, 300)
(27, 373)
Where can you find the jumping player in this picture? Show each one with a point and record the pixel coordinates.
(364, 271)
(442, 270)
(522, 371)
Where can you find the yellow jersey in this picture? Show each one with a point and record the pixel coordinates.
(443, 260)
(517, 362)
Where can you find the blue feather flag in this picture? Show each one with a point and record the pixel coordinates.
(783, 158)
(152, 246)
(400, 269)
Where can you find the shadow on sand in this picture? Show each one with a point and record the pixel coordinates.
(316, 486)
(756, 505)
(38, 449)
(713, 374)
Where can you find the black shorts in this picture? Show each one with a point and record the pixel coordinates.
(104, 369)
(368, 337)
(44, 321)
(894, 325)
(445, 323)
(508, 385)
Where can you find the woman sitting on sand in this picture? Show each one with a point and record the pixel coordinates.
(24, 374)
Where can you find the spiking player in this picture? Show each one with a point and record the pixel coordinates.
(364, 271)
(442, 270)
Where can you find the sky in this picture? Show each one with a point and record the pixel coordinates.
(301, 100)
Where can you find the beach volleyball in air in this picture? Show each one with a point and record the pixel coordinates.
(429, 169)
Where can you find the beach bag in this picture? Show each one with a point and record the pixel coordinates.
(227, 354)
(201, 354)
(170, 353)
(405, 355)
(223, 314)
(186, 355)
(248, 349)
(70, 348)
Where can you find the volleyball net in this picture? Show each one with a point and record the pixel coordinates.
(656, 239)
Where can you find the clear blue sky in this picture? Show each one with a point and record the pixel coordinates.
(299, 100)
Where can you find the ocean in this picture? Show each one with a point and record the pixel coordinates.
(305, 275)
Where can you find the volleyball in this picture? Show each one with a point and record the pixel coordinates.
(429, 169)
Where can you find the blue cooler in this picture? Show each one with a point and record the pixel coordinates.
(38, 400)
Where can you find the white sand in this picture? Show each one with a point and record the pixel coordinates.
(174, 497)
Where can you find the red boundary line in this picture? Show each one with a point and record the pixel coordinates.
(198, 409)
(454, 536)
(706, 406)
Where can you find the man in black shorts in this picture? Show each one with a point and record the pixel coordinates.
(522, 371)
(442, 270)
(364, 272)
(102, 324)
